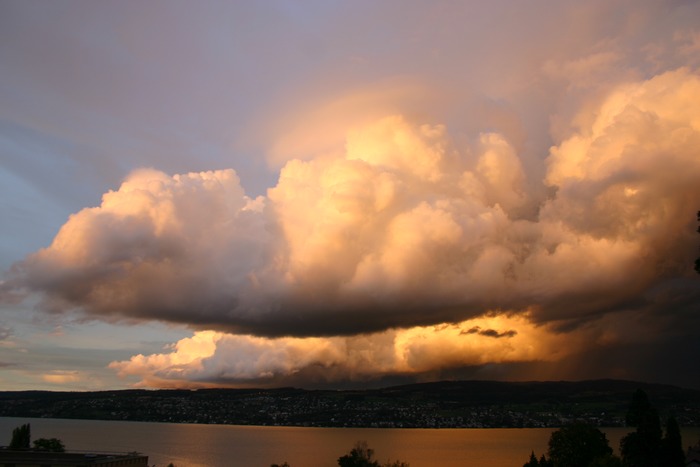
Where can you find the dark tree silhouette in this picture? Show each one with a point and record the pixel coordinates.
(21, 437)
(697, 261)
(581, 445)
(607, 461)
(638, 408)
(641, 448)
(532, 462)
(544, 462)
(645, 447)
(672, 454)
(577, 445)
(50, 445)
(359, 456)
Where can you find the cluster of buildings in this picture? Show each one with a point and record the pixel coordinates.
(456, 405)
(310, 408)
(20, 458)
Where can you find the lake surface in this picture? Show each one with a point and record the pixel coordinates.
(189, 445)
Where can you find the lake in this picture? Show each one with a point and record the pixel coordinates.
(190, 445)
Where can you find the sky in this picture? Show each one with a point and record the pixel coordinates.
(348, 194)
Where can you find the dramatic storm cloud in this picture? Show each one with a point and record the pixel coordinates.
(403, 229)
(518, 192)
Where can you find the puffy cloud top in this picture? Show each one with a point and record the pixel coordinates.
(404, 228)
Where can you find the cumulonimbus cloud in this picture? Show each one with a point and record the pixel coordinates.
(403, 229)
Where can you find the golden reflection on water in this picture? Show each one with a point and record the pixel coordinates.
(187, 445)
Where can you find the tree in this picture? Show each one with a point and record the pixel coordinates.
(359, 456)
(672, 454)
(50, 445)
(697, 261)
(606, 461)
(641, 448)
(532, 462)
(577, 445)
(639, 406)
(21, 437)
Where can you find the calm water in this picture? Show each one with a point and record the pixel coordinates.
(229, 446)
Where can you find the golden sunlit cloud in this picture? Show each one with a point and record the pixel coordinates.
(331, 120)
(63, 377)
(212, 359)
(402, 253)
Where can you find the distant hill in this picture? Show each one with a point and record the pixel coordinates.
(496, 392)
(439, 404)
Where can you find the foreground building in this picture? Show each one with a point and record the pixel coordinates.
(69, 459)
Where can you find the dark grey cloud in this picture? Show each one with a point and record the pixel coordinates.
(490, 332)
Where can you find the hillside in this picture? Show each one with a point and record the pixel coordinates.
(438, 405)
